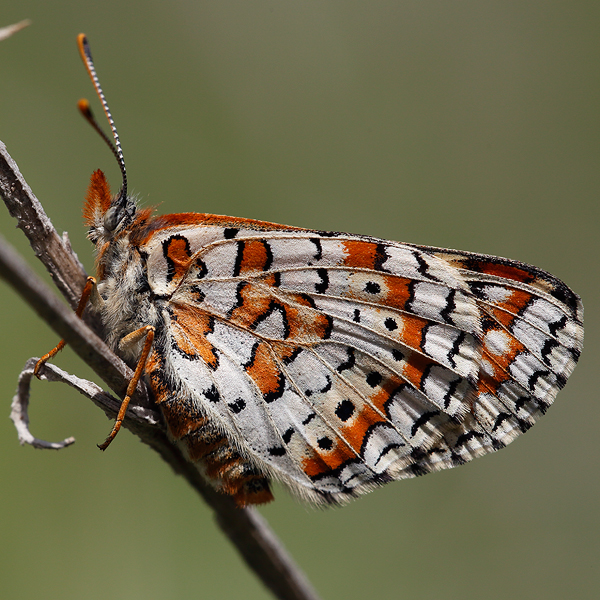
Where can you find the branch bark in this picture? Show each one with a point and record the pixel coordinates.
(246, 529)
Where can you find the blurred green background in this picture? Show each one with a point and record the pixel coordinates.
(465, 124)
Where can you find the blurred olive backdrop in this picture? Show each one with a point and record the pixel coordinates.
(465, 124)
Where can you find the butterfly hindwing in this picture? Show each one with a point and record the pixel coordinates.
(341, 362)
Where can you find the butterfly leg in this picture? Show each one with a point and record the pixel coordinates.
(135, 336)
(89, 292)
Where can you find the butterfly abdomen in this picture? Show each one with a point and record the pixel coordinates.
(203, 443)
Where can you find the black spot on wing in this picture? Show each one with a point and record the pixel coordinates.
(212, 394)
(450, 306)
(374, 378)
(408, 305)
(239, 300)
(325, 443)
(452, 386)
(269, 253)
(524, 425)
(322, 286)
(252, 358)
(277, 451)
(487, 323)
(500, 419)
(372, 287)
(319, 252)
(308, 419)
(348, 364)
(460, 338)
(422, 420)
(478, 288)
(381, 256)
(239, 258)
(238, 406)
(390, 324)
(397, 355)
(344, 410)
(554, 327)
(467, 437)
(287, 435)
(328, 328)
(423, 267)
(533, 379)
(542, 405)
(327, 386)
(521, 401)
(549, 345)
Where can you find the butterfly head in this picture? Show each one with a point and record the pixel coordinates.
(105, 214)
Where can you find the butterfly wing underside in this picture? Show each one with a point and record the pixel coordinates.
(335, 363)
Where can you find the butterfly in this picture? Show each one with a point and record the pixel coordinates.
(328, 361)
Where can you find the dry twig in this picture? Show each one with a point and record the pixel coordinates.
(10, 30)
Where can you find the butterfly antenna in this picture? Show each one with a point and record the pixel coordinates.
(86, 111)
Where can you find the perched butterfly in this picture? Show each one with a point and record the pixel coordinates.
(331, 362)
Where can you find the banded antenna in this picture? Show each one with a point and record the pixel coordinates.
(86, 111)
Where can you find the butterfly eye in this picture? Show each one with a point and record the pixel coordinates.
(112, 218)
